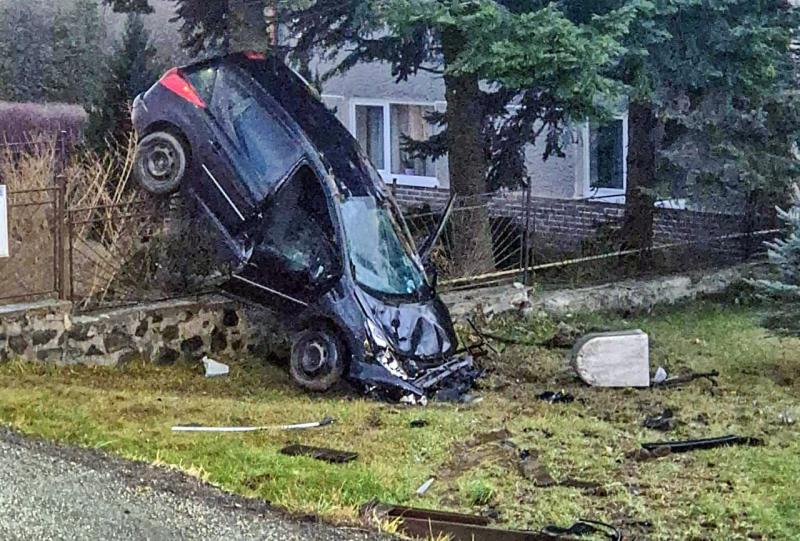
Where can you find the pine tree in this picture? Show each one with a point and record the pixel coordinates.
(132, 70)
(783, 293)
(78, 59)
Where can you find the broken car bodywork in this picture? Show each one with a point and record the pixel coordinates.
(304, 222)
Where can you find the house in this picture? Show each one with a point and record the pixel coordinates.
(378, 110)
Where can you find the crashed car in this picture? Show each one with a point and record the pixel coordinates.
(305, 221)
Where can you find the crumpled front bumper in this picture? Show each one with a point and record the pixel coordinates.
(445, 382)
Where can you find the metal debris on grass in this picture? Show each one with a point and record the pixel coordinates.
(688, 378)
(664, 422)
(429, 524)
(694, 445)
(559, 397)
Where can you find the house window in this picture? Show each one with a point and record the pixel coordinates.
(382, 127)
(409, 121)
(370, 132)
(606, 158)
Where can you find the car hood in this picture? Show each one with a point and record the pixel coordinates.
(421, 331)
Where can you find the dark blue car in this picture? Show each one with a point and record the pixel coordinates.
(304, 220)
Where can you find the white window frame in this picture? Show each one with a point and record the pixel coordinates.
(388, 176)
(609, 195)
(3, 221)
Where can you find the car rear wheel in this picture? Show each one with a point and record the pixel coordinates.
(160, 163)
(318, 359)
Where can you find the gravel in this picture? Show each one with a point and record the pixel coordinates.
(49, 491)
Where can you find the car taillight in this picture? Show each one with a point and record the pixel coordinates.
(173, 80)
(255, 55)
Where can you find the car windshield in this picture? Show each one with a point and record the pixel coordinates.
(382, 258)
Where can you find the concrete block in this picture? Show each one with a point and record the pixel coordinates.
(616, 359)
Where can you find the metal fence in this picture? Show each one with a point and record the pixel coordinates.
(148, 249)
(510, 236)
(35, 266)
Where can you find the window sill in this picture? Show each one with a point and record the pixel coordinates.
(410, 180)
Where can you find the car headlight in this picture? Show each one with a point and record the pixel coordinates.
(377, 336)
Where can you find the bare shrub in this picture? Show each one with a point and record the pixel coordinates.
(126, 245)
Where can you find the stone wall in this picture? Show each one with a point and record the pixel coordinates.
(625, 296)
(188, 329)
(161, 332)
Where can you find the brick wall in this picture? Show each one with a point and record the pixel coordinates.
(565, 224)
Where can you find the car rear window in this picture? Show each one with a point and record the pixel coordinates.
(203, 79)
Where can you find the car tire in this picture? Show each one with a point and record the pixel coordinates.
(160, 163)
(318, 359)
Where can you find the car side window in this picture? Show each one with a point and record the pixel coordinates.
(296, 235)
(267, 152)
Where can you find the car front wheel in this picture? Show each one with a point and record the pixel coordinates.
(160, 163)
(318, 359)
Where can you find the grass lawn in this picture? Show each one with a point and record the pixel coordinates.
(732, 493)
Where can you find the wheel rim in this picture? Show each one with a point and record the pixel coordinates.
(161, 161)
(318, 355)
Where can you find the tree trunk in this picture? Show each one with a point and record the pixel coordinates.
(637, 229)
(472, 249)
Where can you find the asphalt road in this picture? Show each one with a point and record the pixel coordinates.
(54, 492)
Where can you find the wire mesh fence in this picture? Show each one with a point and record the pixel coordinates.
(511, 236)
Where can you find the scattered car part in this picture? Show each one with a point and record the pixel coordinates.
(302, 426)
(694, 445)
(615, 359)
(320, 453)
(660, 377)
(214, 368)
(688, 378)
(559, 397)
(586, 527)
(303, 225)
(425, 486)
(426, 524)
(664, 422)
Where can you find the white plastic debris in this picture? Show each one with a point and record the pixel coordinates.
(214, 368)
(616, 359)
(302, 426)
(660, 377)
(424, 487)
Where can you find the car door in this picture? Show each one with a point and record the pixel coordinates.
(295, 256)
